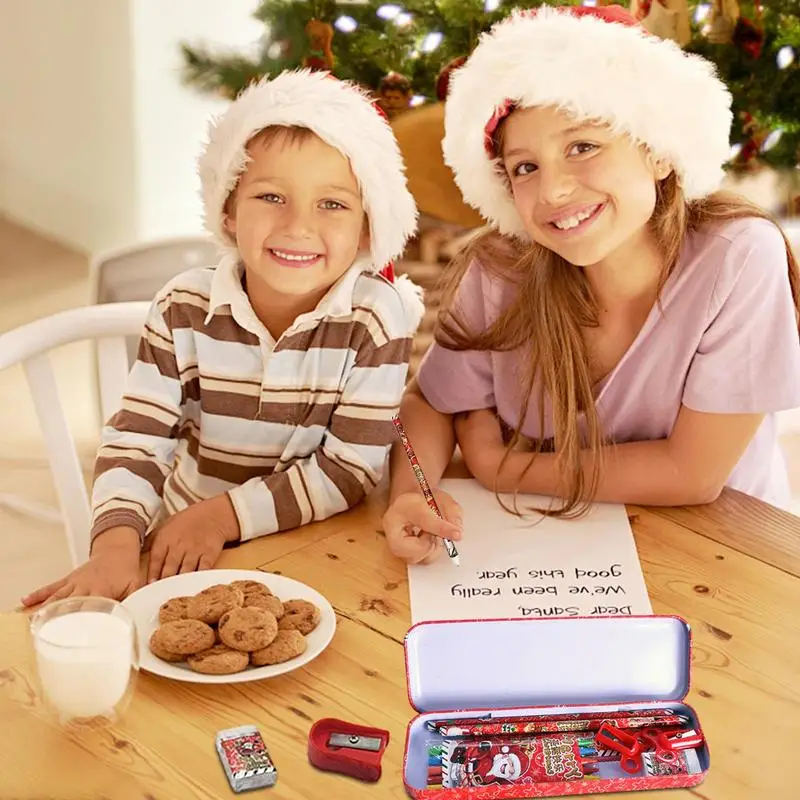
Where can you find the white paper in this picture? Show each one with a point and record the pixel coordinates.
(533, 566)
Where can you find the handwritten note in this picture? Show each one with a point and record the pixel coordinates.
(533, 566)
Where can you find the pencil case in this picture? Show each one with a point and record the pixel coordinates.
(509, 668)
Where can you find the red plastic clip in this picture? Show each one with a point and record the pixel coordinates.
(630, 746)
(674, 740)
(614, 738)
(354, 750)
(626, 744)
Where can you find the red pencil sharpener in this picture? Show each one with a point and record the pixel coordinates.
(354, 750)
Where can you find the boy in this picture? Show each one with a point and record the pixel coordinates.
(264, 388)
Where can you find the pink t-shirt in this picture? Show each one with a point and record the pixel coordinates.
(724, 341)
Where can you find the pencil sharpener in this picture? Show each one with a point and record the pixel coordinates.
(355, 750)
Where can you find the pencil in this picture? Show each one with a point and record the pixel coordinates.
(556, 723)
(423, 484)
(577, 727)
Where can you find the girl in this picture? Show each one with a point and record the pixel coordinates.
(629, 324)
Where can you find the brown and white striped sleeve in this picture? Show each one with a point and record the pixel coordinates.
(352, 456)
(138, 442)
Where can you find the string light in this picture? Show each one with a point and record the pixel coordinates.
(417, 100)
(431, 42)
(345, 24)
(590, 3)
(771, 140)
(785, 57)
(490, 5)
(388, 11)
(701, 12)
(735, 150)
(403, 19)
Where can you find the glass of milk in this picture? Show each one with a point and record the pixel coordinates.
(87, 659)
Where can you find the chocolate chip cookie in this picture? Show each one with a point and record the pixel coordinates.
(174, 609)
(210, 604)
(184, 636)
(161, 652)
(287, 645)
(299, 615)
(251, 587)
(269, 602)
(218, 660)
(248, 628)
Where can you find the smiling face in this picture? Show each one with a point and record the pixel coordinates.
(296, 215)
(581, 190)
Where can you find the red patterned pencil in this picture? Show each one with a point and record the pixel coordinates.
(556, 723)
(423, 484)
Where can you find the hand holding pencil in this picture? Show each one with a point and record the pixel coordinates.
(419, 521)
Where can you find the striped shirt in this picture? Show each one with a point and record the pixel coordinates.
(294, 430)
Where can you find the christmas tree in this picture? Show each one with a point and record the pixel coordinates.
(403, 51)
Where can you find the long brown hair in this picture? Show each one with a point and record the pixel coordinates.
(552, 304)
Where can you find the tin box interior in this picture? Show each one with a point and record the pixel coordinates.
(517, 666)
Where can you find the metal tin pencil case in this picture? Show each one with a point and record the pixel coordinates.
(519, 667)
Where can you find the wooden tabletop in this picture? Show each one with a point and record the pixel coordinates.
(732, 569)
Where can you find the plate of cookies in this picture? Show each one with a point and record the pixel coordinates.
(229, 625)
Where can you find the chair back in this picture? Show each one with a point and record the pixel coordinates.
(30, 345)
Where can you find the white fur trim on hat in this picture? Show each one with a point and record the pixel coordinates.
(671, 101)
(413, 301)
(339, 113)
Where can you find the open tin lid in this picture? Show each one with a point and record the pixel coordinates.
(474, 664)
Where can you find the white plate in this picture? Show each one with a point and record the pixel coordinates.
(144, 604)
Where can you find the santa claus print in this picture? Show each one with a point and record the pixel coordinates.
(486, 763)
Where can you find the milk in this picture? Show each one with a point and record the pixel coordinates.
(85, 660)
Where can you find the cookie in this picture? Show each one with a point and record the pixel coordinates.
(218, 660)
(184, 636)
(251, 587)
(266, 601)
(287, 645)
(210, 604)
(161, 652)
(174, 609)
(248, 628)
(299, 615)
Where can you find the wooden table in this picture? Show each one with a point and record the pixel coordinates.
(732, 569)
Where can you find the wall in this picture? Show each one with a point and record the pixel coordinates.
(98, 137)
(66, 137)
(170, 118)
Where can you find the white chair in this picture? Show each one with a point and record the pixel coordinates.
(29, 345)
(137, 272)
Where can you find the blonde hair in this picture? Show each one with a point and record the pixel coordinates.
(551, 306)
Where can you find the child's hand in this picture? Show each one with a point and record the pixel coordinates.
(414, 533)
(480, 437)
(112, 571)
(193, 538)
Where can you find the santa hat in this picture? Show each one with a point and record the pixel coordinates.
(596, 64)
(343, 116)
